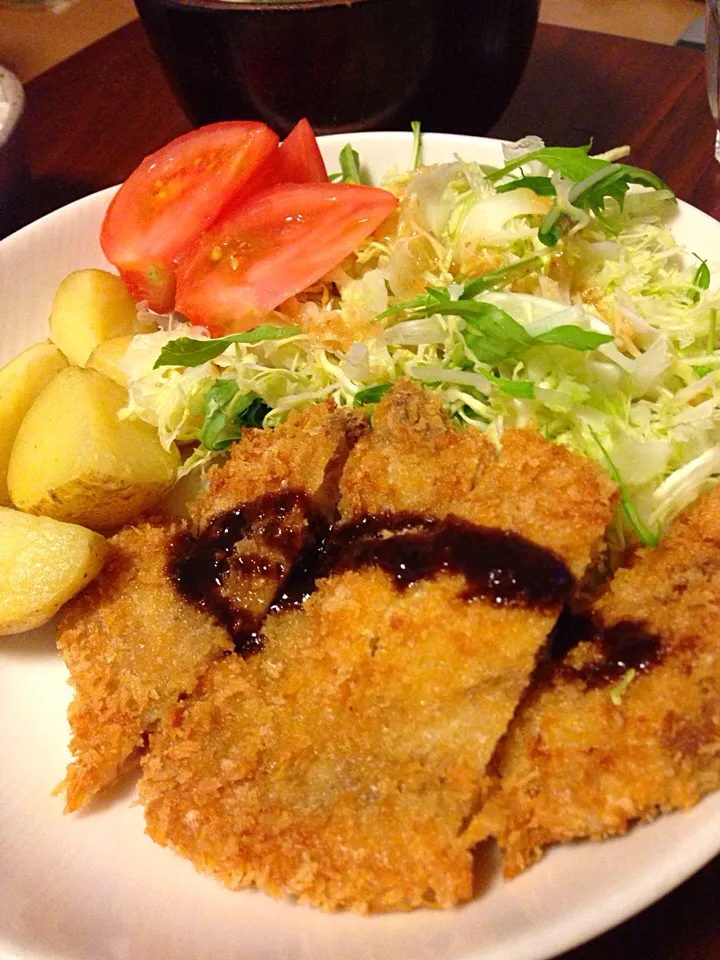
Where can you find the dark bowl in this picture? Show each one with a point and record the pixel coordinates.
(13, 166)
(354, 65)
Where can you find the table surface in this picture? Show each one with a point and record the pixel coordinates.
(92, 118)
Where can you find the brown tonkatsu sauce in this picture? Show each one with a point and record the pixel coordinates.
(498, 566)
(627, 645)
(200, 564)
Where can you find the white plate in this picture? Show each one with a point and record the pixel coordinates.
(94, 887)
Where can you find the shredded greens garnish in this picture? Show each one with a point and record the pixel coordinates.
(350, 165)
(606, 343)
(594, 180)
(188, 352)
(417, 144)
(618, 691)
(647, 537)
(227, 411)
(701, 280)
(500, 277)
(491, 333)
(577, 165)
(371, 394)
(712, 330)
(543, 186)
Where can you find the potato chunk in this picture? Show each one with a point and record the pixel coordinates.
(92, 306)
(75, 460)
(21, 381)
(106, 358)
(43, 563)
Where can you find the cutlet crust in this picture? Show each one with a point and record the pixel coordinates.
(132, 647)
(577, 765)
(133, 644)
(340, 764)
(306, 453)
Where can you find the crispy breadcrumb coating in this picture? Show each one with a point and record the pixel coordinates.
(133, 644)
(580, 763)
(340, 764)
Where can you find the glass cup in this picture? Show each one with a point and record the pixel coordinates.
(712, 62)
(344, 64)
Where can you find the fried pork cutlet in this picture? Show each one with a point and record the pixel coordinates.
(134, 644)
(131, 646)
(272, 501)
(598, 748)
(340, 764)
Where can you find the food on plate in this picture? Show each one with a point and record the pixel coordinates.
(234, 224)
(43, 563)
(340, 762)
(133, 643)
(626, 725)
(272, 246)
(107, 357)
(92, 306)
(73, 459)
(425, 427)
(131, 648)
(175, 194)
(298, 157)
(580, 316)
(21, 381)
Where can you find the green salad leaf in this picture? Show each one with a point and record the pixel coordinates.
(350, 165)
(371, 394)
(188, 352)
(594, 179)
(650, 538)
(227, 411)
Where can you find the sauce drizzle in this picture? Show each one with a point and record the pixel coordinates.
(627, 645)
(498, 566)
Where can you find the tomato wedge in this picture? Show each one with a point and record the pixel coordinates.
(272, 246)
(299, 157)
(173, 196)
(296, 160)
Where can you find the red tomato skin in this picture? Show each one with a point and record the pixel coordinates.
(300, 160)
(175, 194)
(296, 160)
(262, 251)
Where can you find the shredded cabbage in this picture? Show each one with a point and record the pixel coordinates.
(649, 400)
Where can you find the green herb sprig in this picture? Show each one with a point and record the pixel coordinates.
(650, 538)
(595, 181)
(620, 689)
(493, 335)
(701, 280)
(188, 352)
(371, 394)
(417, 144)
(227, 411)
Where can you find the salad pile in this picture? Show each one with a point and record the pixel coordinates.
(546, 293)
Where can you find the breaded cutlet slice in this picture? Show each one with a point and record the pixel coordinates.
(132, 646)
(276, 495)
(340, 764)
(579, 762)
(133, 643)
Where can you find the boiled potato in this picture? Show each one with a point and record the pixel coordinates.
(106, 358)
(92, 306)
(21, 381)
(43, 563)
(74, 460)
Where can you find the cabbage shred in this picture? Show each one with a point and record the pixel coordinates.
(635, 385)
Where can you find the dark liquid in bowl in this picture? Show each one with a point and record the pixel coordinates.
(363, 64)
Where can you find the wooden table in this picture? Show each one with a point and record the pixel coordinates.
(93, 117)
